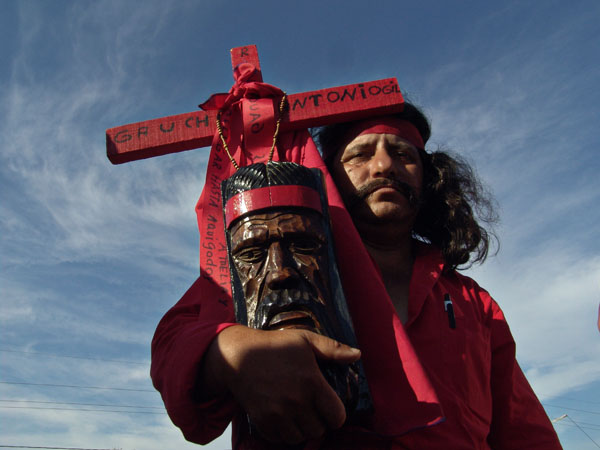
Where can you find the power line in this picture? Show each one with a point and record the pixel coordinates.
(80, 404)
(561, 397)
(81, 409)
(571, 409)
(121, 361)
(570, 425)
(566, 416)
(56, 448)
(77, 387)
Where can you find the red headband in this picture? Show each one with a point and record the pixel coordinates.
(383, 125)
(386, 125)
(271, 196)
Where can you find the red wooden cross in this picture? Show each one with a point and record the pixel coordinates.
(196, 129)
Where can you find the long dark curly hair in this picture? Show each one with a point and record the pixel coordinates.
(457, 212)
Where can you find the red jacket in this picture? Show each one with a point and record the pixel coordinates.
(486, 400)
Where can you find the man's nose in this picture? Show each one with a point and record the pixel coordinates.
(280, 274)
(382, 163)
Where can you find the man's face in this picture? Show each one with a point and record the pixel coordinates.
(380, 178)
(281, 260)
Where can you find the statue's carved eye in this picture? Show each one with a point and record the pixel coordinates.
(251, 254)
(306, 246)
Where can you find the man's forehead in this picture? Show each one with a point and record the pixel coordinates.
(387, 125)
(373, 138)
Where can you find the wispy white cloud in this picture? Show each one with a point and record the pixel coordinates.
(127, 428)
(67, 212)
(84, 208)
(551, 301)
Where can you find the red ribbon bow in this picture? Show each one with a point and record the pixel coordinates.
(246, 85)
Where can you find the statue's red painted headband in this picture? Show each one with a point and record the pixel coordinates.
(269, 197)
(386, 125)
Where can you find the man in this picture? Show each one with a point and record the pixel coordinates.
(414, 213)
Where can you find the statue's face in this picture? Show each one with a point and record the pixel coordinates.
(281, 260)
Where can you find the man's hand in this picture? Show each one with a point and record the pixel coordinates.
(274, 376)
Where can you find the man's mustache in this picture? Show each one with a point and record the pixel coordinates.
(364, 191)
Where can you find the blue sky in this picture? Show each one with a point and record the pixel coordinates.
(93, 254)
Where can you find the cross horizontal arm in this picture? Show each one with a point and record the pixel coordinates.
(158, 137)
(196, 129)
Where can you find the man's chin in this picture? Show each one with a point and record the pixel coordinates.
(386, 211)
(384, 223)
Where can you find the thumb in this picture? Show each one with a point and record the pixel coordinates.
(329, 349)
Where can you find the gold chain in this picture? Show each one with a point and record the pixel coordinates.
(226, 147)
(281, 106)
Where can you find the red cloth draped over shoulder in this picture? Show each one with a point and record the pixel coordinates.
(403, 397)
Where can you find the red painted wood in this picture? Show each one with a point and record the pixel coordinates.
(267, 197)
(308, 109)
(343, 103)
(246, 54)
(160, 136)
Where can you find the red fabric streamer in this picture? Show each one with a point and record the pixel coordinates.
(238, 107)
(245, 86)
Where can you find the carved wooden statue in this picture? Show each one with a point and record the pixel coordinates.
(282, 263)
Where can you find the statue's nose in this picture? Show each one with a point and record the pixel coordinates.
(280, 275)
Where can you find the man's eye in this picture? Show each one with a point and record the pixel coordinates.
(251, 255)
(355, 156)
(358, 155)
(404, 155)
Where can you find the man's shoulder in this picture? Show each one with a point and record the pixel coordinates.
(431, 260)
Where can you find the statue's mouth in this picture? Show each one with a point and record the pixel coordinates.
(299, 319)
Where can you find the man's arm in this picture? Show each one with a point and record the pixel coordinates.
(180, 341)
(204, 366)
